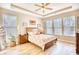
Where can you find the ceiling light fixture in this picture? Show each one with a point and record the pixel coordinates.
(43, 7)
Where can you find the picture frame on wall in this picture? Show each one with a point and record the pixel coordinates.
(32, 22)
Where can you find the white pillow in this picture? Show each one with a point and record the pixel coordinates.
(30, 33)
(35, 31)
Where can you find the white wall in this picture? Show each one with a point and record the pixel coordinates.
(23, 22)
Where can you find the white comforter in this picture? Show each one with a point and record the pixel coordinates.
(41, 39)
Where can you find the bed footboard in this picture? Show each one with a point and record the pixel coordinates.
(49, 44)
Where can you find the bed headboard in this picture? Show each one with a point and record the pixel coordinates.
(30, 29)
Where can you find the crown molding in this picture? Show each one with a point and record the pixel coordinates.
(66, 8)
(21, 8)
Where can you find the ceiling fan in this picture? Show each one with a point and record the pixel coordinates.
(43, 6)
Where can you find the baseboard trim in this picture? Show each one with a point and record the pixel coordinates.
(68, 42)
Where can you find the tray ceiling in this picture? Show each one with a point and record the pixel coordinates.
(56, 8)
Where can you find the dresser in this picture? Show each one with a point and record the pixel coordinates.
(77, 36)
(23, 38)
(77, 43)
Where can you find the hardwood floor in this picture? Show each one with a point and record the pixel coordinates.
(61, 48)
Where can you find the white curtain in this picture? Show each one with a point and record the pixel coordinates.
(2, 38)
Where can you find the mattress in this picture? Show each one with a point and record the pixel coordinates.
(41, 39)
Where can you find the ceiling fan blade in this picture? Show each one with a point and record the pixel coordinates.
(38, 5)
(49, 8)
(37, 9)
(47, 4)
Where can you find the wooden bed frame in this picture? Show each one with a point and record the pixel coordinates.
(47, 45)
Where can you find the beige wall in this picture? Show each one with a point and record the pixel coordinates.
(78, 23)
(25, 19)
(0, 19)
(65, 38)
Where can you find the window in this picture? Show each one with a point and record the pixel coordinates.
(69, 25)
(49, 27)
(58, 26)
(10, 26)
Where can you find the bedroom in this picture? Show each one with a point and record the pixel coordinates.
(41, 22)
